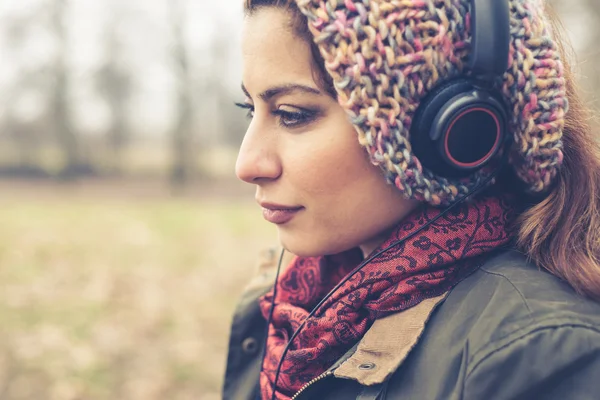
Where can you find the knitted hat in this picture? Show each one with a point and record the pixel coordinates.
(385, 56)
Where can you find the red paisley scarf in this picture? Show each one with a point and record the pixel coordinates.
(427, 265)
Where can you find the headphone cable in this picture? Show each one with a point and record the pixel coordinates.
(482, 185)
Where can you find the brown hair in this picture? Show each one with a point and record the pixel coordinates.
(560, 233)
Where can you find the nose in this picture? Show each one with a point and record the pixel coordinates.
(257, 160)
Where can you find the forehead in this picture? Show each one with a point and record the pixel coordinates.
(272, 53)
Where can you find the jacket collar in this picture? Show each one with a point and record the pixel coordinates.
(384, 347)
(387, 343)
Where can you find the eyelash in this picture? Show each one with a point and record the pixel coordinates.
(299, 118)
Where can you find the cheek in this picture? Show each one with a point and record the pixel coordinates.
(348, 202)
(332, 169)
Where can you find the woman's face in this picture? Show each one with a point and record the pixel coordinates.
(313, 179)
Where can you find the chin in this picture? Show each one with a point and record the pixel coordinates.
(301, 249)
(310, 246)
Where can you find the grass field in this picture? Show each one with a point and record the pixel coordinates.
(117, 297)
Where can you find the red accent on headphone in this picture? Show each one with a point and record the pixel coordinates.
(492, 150)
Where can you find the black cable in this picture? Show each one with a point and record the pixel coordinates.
(475, 191)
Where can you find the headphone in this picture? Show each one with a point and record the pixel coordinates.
(458, 128)
(462, 124)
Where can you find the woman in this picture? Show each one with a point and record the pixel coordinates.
(469, 268)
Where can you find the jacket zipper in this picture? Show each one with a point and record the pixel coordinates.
(312, 381)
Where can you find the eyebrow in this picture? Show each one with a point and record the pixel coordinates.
(283, 90)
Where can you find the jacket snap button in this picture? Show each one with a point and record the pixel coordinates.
(366, 366)
(249, 346)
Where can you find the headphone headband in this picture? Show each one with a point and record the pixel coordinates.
(490, 43)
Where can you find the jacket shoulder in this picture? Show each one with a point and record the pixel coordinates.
(550, 361)
(509, 294)
(534, 335)
(534, 293)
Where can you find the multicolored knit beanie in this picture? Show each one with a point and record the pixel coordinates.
(385, 56)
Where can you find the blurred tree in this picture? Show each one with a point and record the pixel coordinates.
(114, 83)
(593, 51)
(23, 132)
(182, 134)
(63, 127)
(230, 121)
(587, 51)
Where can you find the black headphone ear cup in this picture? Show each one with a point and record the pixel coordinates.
(457, 129)
(423, 145)
(431, 105)
(471, 129)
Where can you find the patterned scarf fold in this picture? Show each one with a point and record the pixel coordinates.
(426, 265)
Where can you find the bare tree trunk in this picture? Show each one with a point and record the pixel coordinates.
(60, 108)
(114, 83)
(182, 135)
(229, 121)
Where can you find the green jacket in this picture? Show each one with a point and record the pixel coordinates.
(508, 331)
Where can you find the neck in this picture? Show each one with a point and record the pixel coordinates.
(370, 246)
(373, 244)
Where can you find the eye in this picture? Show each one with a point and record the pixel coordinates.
(295, 117)
(247, 106)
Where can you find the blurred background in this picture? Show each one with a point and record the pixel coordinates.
(125, 238)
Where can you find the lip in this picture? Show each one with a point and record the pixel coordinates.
(279, 214)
